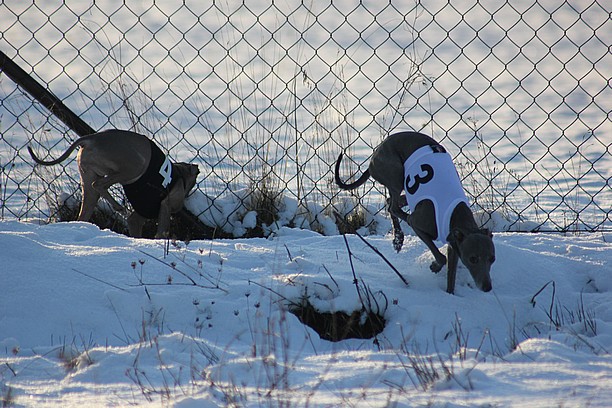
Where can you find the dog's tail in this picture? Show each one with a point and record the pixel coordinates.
(60, 159)
(349, 186)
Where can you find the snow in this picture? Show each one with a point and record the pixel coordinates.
(90, 317)
(522, 89)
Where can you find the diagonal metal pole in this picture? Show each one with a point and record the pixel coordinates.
(44, 96)
(373, 248)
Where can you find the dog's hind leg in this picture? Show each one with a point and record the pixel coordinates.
(90, 196)
(393, 204)
(398, 234)
(102, 184)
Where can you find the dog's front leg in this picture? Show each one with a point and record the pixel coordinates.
(135, 223)
(440, 259)
(173, 203)
(421, 221)
(163, 221)
(451, 276)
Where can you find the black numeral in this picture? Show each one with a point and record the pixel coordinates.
(413, 186)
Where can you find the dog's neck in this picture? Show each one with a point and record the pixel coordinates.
(463, 219)
(180, 173)
(462, 225)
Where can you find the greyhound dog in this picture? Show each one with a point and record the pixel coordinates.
(416, 164)
(153, 185)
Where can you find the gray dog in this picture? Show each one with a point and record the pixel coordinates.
(153, 185)
(416, 164)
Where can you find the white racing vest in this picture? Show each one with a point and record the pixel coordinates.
(431, 175)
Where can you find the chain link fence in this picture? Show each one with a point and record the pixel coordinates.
(264, 96)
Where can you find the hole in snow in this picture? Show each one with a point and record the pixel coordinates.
(336, 326)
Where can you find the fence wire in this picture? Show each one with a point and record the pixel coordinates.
(264, 96)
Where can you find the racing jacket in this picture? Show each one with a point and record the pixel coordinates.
(429, 174)
(147, 193)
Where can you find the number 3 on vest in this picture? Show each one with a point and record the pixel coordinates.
(166, 172)
(412, 188)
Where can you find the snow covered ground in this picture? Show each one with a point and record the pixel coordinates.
(92, 318)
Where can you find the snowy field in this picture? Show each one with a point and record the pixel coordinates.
(91, 318)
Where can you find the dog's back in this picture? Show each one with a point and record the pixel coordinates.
(403, 144)
(387, 163)
(123, 153)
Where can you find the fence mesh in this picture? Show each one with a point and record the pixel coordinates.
(265, 96)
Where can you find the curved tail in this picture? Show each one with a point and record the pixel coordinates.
(60, 159)
(349, 186)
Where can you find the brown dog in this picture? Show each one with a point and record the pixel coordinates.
(153, 185)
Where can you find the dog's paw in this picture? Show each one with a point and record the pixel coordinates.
(398, 240)
(437, 266)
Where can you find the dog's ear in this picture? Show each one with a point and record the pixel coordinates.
(188, 169)
(194, 169)
(456, 236)
(487, 232)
